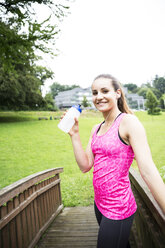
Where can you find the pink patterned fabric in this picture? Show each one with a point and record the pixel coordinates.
(112, 160)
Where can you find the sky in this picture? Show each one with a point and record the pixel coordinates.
(125, 38)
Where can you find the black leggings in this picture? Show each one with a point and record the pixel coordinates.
(113, 233)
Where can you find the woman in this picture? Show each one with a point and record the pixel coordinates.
(112, 146)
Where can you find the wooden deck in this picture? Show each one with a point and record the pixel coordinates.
(75, 227)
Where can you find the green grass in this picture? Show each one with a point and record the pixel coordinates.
(29, 145)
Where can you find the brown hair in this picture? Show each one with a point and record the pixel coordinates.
(122, 103)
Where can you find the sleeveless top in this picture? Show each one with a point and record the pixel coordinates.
(112, 160)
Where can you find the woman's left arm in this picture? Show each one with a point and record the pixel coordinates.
(137, 139)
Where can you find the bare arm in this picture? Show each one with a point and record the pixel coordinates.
(138, 140)
(83, 158)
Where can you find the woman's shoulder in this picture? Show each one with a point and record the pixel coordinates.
(130, 118)
(131, 121)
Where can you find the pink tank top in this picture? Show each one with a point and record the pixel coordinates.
(112, 160)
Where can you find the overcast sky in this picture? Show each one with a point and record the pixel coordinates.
(125, 38)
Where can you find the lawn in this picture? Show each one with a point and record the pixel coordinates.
(29, 145)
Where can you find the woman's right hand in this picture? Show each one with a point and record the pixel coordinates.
(75, 128)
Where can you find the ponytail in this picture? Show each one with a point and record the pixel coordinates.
(122, 103)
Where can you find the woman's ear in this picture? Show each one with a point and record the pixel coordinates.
(118, 93)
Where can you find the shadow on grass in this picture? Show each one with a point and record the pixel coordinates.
(7, 119)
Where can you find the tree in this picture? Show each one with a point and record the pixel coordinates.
(22, 89)
(162, 103)
(131, 87)
(55, 88)
(159, 84)
(142, 92)
(19, 27)
(151, 103)
(156, 92)
(85, 102)
(50, 104)
(22, 37)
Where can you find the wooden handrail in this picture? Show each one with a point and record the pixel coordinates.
(149, 223)
(27, 207)
(24, 183)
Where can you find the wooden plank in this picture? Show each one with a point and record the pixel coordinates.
(53, 193)
(42, 205)
(32, 216)
(24, 222)
(38, 186)
(74, 227)
(18, 225)
(28, 218)
(44, 228)
(45, 203)
(35, 212)
(50, 198)
(5, 230)
(12, 226)
(47, 200)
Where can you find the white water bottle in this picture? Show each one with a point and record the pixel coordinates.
(68, 121)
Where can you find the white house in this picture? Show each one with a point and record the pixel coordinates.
(66, 99)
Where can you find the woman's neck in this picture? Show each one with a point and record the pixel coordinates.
(111, 116)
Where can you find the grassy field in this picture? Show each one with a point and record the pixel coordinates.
(29, 145)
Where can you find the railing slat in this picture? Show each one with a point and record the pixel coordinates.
(12, 227)
(24, 222)
(36, 212)
(5, 230)
(32, 217)
(18, 224)
(28, 217)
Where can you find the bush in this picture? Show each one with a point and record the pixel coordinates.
(156, 111)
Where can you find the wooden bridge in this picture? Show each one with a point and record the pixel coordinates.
(32, 215)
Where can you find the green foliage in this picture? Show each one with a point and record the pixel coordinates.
(142, 92)
(162, 103)
(156, 92)
(55, 88)
(152, 103)
(131, 87)
(20, 90)
(159, 84)
(85, 102)
(50, 105)
(22, 37)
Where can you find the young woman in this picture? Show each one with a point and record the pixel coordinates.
(112, 146)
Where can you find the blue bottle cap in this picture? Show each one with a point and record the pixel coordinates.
(77, 107)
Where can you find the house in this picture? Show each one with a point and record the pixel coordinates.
(66, 99)
(134, 100)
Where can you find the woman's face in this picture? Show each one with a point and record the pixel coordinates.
(104, 97)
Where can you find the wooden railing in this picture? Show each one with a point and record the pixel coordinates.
(27, 208)
(148, 229)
